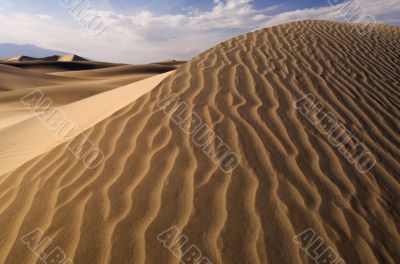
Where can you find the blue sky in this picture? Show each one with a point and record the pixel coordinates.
(157, 6)
(177, 6)
(138, 31)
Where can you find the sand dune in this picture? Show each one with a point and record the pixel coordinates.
(27, 137)
(290, 177)
(70, 85)
(70, 57)
(14, 78)
(56, 63)
(124, 70)
(58, 66)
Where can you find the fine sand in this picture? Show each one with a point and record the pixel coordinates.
(154, 176)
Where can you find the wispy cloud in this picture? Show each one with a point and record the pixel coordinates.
(145, 36)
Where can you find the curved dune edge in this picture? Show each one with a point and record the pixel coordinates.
(290, 179)
(31, 137)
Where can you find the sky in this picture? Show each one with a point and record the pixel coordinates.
(141, 31)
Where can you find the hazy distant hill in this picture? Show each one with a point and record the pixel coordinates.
(8, 50)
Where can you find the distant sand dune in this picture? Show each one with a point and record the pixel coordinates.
(69, 86)
(289, 178)
(56, 63)
(70, 57)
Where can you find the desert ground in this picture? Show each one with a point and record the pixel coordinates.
(280, 146)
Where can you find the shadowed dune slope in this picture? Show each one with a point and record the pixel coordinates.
(44, 66)
(290, 178)
(74, 63)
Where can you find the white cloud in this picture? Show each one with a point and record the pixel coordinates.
(148, 37)
(386, 11)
